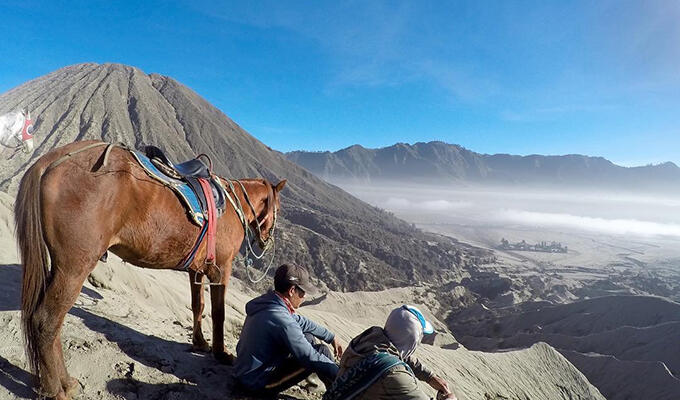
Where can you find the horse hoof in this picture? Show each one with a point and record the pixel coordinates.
(201, 347)
(43, 394)
(60, 396)
(224, 358)
(72, 388)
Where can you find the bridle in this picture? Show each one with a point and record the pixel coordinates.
(259, 223)
(249, 235)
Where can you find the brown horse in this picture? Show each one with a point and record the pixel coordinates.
(78, 201)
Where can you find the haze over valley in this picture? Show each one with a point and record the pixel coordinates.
(601, 231)
(618, 244)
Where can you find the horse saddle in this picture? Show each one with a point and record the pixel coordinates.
(183, 179)
(194, 168)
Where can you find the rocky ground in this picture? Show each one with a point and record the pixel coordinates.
(128, 337)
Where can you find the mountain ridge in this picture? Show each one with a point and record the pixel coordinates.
(433, 161)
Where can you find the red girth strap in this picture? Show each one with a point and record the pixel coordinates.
(212, 221)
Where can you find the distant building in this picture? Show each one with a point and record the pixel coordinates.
(543, 247)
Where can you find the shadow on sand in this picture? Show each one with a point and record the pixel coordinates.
(165, 355)
(16, 380)
(10, 288)
(204, 377)
(131, 389)
(200, 375)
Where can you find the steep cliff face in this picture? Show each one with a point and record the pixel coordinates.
(349, 244)
(613, 340)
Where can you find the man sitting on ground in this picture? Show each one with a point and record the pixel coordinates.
(277, 347)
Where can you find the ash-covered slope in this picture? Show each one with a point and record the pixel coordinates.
(576, 319)
(442, 162)
(349, 244)
(610, 339)
(622, 380)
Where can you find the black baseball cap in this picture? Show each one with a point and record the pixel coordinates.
(294, 275)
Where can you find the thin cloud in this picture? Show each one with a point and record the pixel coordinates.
(591, 224)
(399, 203)
(444, 205)
(554, 112)
(369, 44)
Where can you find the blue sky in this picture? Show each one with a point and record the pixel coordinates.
(523, 77)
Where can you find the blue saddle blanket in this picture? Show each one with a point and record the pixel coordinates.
(183, 190)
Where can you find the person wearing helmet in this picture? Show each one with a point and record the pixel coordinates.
(379, 363)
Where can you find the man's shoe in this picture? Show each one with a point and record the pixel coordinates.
(313, 384)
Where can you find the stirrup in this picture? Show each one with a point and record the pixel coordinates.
(208, 283)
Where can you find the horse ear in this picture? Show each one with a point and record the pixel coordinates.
(279, 186)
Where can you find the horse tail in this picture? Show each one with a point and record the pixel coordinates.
(34, 257)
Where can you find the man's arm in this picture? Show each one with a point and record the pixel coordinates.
(421, 372)
(305, 354)
(309, 326)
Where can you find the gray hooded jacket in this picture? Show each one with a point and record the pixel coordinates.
(397, 383)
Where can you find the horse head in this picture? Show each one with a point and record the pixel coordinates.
(265, 222)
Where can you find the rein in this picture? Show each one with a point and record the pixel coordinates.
(250, 236)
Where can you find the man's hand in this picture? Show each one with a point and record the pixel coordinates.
(440, 385)
(337, 347)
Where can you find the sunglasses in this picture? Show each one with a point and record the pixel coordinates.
(301, 292)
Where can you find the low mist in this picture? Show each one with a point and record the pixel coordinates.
(548, 210)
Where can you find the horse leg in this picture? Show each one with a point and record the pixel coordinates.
(197, 305)
(48, 319)
(69, 384)
(217, 294)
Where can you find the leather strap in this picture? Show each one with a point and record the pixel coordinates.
(212, 221)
